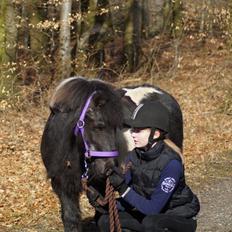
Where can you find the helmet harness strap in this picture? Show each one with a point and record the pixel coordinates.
(151, 139)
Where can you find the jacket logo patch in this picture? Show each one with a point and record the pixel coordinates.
(168, 184)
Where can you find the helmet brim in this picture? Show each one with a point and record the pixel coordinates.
(134, 123)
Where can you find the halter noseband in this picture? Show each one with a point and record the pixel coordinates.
(80, 127)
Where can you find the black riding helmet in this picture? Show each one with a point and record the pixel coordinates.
(152, 115)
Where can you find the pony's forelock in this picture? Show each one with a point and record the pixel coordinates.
(112, 109)
(72, 93)
(65, 81)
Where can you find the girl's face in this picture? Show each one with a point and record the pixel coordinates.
(140, 136)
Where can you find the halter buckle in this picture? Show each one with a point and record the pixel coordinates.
(87, 154)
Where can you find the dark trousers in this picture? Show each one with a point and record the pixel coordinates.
(172, 223)
(154, 223)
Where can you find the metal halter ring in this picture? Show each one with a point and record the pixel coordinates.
(80, 123)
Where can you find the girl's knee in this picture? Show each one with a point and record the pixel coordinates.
(150, 223)
(149, 219)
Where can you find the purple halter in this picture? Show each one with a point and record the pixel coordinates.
(80, 127)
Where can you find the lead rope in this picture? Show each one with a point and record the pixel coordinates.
(115, 225)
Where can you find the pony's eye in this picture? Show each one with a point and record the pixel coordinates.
(100, 126)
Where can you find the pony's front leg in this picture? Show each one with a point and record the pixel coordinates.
(68, 194)
(70, 212)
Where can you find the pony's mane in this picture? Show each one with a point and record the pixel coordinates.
(72, 93)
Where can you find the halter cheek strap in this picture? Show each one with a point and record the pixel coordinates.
(80, 127)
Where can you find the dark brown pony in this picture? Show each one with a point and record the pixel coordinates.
(63, 145)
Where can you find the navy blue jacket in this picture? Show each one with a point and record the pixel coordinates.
(157, 183)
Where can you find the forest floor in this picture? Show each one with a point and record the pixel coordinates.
(202, 84)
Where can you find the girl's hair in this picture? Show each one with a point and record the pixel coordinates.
(175, 148)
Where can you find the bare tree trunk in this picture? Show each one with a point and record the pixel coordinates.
(101, 33)
(153, 16)
(167, 16)
(203, 16)
(162, 16)
(132, 36)
(8, 40)
(37, 38)
(118, 15)
(230, 24)
(207, 17)
(11, 30)
(86, 23)
(3, 56)
(177, 19)
(52, 45)
(65, 49)
(177, 29)
(23, 55)
(23, 31)
(137, 18)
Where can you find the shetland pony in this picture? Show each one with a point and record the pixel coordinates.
(82, 138)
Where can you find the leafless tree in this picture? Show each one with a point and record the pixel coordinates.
(64, 48)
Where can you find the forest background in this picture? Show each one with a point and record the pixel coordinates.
(183, 47)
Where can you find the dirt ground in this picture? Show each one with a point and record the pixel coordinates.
(201, 84)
